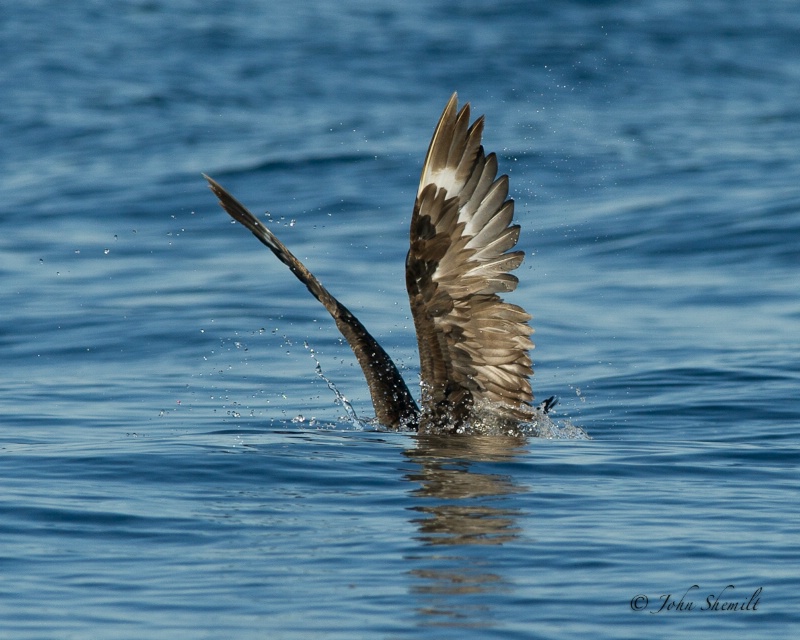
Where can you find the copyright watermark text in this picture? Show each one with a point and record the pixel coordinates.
(694, 599)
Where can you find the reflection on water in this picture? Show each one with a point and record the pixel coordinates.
(470, 524)
(463, 506)
(458, 510)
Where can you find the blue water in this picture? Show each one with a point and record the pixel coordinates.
(171, 466)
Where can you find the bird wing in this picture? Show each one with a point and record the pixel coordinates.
(473, 346)
(394, 405)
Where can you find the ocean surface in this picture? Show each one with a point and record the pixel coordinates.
(173, 466)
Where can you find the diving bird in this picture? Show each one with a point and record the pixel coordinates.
(473, 346)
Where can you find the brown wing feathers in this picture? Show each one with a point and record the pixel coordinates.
(393, 403)
(473, 346)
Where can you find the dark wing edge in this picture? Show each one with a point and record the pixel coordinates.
(393, 403)
(474, 347)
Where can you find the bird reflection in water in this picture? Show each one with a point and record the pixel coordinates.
(446, 475)
(460, 511)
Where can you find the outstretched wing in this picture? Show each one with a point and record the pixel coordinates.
(394, 405)
(473, 346)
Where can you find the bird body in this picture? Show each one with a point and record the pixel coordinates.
(475, 365)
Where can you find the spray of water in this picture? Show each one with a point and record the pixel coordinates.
(339, 398)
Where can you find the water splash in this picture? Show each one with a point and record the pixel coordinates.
(550, 429)
(487, 419)
(339, 397)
